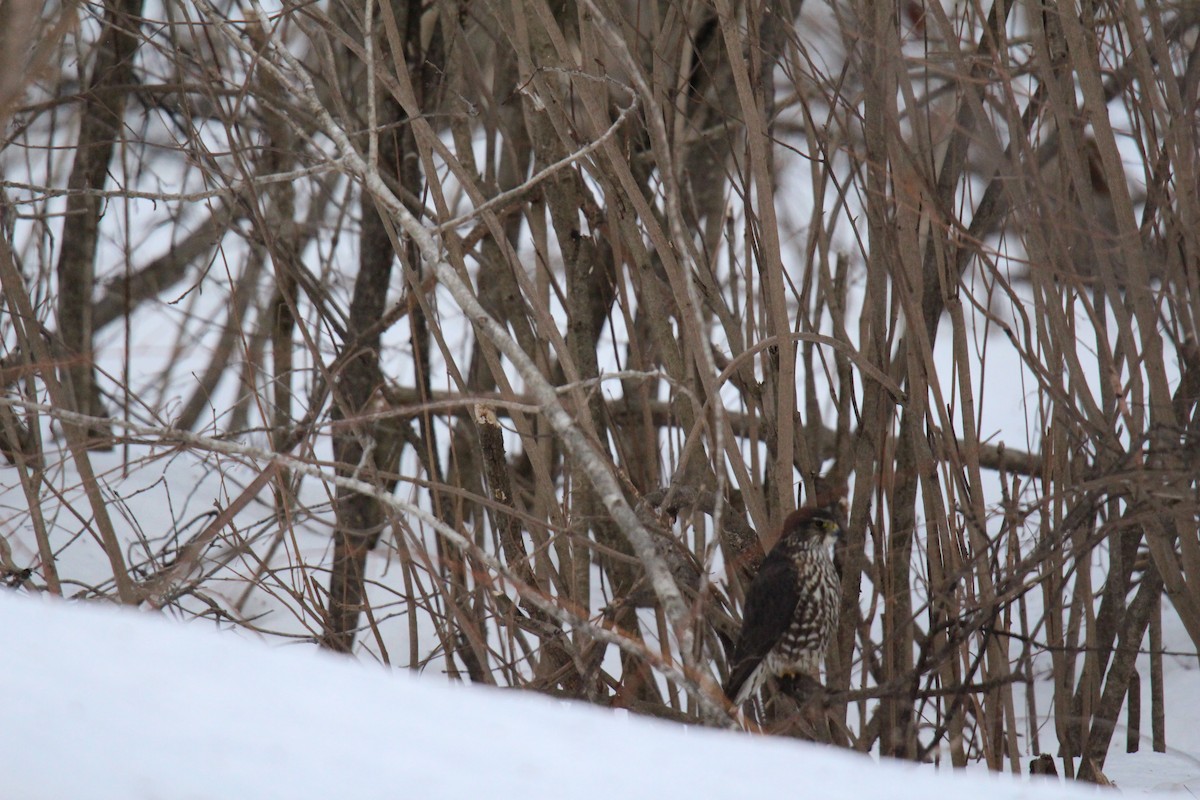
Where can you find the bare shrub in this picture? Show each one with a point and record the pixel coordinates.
(497, 339)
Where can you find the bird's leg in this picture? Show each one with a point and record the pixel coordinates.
(803, 688)
(800, 707)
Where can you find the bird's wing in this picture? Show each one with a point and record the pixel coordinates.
(770, 603)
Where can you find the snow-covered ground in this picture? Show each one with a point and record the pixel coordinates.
(106, 703)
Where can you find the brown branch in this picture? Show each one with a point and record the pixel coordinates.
(406, 403)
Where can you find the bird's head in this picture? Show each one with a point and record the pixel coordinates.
(811, 525)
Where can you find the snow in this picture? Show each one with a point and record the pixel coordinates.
(101, 702)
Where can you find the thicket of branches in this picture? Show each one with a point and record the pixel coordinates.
(509, 332)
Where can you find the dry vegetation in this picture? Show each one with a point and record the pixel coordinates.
(501, 327)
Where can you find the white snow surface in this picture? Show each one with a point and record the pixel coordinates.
(100, 702)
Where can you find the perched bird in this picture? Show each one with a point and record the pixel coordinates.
(791, 606)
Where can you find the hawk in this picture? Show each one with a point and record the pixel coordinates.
(791, 606)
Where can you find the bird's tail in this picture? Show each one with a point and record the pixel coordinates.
(744, 681)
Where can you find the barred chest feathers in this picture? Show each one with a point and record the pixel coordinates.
(803, 645)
